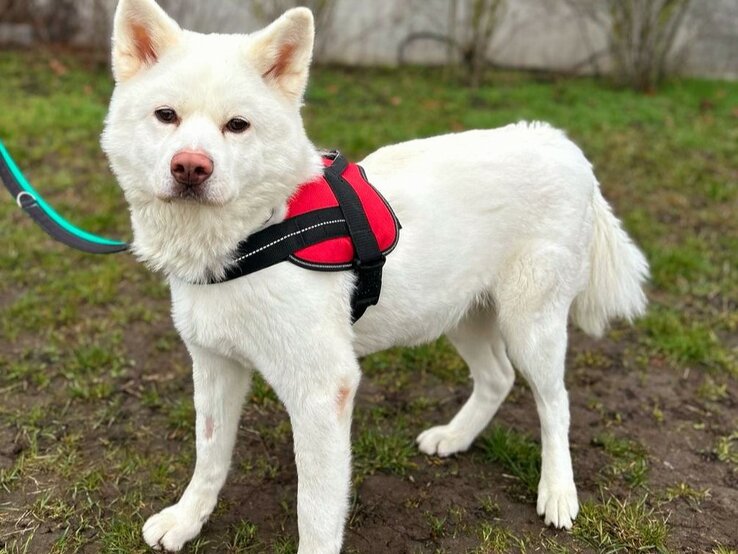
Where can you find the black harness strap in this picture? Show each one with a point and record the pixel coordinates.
(369, 259)
(274, 244)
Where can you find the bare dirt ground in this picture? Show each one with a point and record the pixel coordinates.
(411, 503)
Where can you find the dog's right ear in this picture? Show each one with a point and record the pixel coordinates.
(142, 32)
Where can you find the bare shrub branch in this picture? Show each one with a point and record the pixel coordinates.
(642, 36)
(471, 26)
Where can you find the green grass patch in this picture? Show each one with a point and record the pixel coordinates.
(677, 267)
(629, 459)
(712, 391)
(615, 525)
(375, 450)
(261, 393)
(518, 454)
(686, 341)
(726, 449)
(500, 539)
(122, 535)
(397, 367)
(243, 538)
(686, 492)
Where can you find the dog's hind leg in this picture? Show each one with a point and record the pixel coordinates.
(533, 300)
(220, 388)
(479, 342)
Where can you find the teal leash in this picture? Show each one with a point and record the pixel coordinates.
(46, 217)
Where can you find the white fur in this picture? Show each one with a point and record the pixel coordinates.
(503, 232)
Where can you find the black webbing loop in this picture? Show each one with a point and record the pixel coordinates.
(369, 258)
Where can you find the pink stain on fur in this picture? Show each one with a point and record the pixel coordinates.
(343, 397)
(209, 427)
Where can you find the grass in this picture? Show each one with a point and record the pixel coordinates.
(518, 454)
(95, 399)
(713, 391)
(377, 451)
(687, 493)
(615, 525)
(629, 460)
(499, 540)
(687, 342)
(726, 449)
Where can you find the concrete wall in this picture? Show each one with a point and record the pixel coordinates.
(541, 34)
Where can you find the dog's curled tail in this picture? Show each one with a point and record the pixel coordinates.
(618, 270)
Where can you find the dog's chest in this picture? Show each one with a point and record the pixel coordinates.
(254, 319)
(214, 318)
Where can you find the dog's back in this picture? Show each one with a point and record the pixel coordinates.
(471, 205)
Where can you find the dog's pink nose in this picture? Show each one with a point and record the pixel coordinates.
(190, 168)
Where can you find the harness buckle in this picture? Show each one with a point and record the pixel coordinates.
(370, 266)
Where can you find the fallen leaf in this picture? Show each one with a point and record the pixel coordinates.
(57, 67)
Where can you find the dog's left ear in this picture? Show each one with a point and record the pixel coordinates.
(282, 52)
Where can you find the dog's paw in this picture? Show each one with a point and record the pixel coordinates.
(171, 528)
(557, 504)
(443, 441)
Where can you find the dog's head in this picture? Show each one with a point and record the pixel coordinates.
(208, 120)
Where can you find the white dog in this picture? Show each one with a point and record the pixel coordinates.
(505, 234)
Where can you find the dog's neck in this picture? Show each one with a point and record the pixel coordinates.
(194, 242)
(191, 241)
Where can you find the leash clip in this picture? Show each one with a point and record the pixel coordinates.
(21, 195)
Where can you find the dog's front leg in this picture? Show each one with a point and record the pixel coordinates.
(220, 387)
(319, 395)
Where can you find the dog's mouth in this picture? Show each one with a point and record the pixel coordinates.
(192, 193)
(189, 194)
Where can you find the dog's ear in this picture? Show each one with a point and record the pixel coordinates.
(142, 32)
(282, 52)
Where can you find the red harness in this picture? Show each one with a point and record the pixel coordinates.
(337, 222)
(338, 253)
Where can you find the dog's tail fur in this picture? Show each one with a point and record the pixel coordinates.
(617, 272)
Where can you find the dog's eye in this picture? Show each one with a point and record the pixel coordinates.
(166, 115)
(237, 125)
